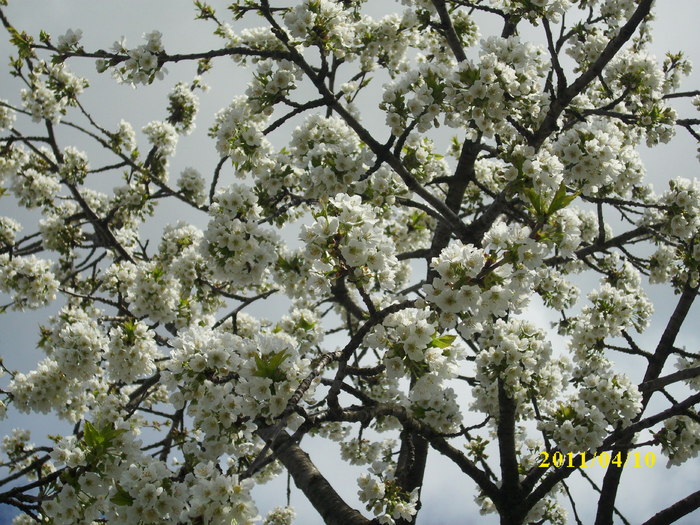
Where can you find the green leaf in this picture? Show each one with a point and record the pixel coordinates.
(277, 359)
(259, 363)
(100, 440)
(561, 200)
(305, 325)
(122, 497)
(22, 41)
(205, 11)
(91, 435)
(268, 366)
(110, 433)
(535, 200)
(443, 341)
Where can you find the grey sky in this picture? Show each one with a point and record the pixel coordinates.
(447, 496)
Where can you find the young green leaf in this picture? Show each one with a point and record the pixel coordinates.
(443, 341)
(122, 497)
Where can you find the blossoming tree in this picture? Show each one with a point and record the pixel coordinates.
(410, 265)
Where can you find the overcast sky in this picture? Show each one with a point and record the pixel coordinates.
(448, 494)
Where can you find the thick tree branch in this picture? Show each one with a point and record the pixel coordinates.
(449, 30)
(332, 508)
(510, 477)
(661, 382)
(676, 511)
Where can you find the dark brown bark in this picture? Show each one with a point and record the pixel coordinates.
(611, 481)
(463, 175)
(449, 30)
(676, 511)
(410, 467)
(509, 506)
(311, 482)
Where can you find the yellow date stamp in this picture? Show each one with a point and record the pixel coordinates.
(604, 459)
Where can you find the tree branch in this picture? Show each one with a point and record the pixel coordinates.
(549, 124)
(332, 508)
(676, 511)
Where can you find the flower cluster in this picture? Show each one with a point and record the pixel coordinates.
(617, 398)
(364, 452)
(131, 351)
(600, 158)
(273, 81)
(638, 75)
(503, 86)
(74, 165)
(345, 241)
(321, 23)
(180, 243)
(41, 102)
(383, 496)
(533, 10)
(76, 344)
(517, 355)
(456, 290)
(192, 186)
(141, 66)
(44, 389)
(474, 284)
(414, 348)
(238, 133)
(618, 304)
(679, 218)
(542, 169)
(7, 115)
(162, 136)
(20, 455)
(260, 38)
(384, 42)
(416, 96)
(182, 107)
(272, 369)
(153, 292)
(29, 279)
(8, 229)
(70, 376)
(52, 89)
(69, 40)
(434, 404)
(420, 158)
(679, 439)
(603, 400)
(305, 326)
(280, 516)
(217, 498)
(413, 345)
(171, 287)
(329, 155)
(34, 188)
(16, 443)
(267, 369)
(576, 427)
(124, 138)
(239, 248)
(555, 290)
